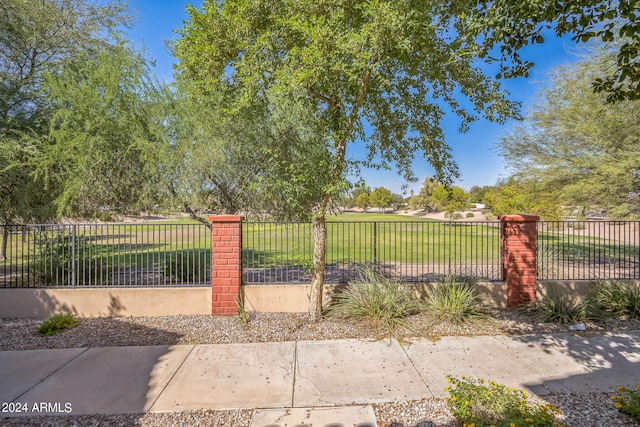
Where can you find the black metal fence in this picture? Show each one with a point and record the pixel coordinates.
(85, 255)
(413, 251)
(588, 250)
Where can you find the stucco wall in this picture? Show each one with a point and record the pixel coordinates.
(104, 302)
(286, 298)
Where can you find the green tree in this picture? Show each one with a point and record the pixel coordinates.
(449, 199)
(423, 200)
(36, 37)
(397, 66)
(573, 143)
(381, 198)
(358, 189)
(512, 25)
(477, 193)
(100, 150)
(521, 196)
(363, 201)
(262, 158)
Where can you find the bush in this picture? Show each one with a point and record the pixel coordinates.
(555, 308)
(474, 402)
(617, 299)
(57, 323)
(489, 216)
(470, 215)
(627, 401)
(455, 299)
(188, 266)
(53, 263)
(374, 296)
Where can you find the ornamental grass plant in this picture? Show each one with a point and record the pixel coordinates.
(374, 296)
(474, 402)
(616, 298)
(553, 307)
(455, 299)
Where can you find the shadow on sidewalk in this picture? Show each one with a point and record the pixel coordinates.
(69, 387)
(602, 362)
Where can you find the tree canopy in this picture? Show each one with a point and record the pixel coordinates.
(381, 198)
(572, 143)
(35, 38)
(512, 25)
(397, 67)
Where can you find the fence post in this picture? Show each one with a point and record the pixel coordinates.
(226, 263)
(519, 245)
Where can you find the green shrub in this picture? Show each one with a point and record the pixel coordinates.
(553, 307)
(54, 262)
(57, 323)
(188, 266)
(470, 215)
(474, 402)
(489, 216)
(616, 298)
(455, 299)
(628, 401)
(374, 296)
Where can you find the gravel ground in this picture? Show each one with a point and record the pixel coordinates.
(579, 410)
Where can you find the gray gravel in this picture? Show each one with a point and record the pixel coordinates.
(580, 410)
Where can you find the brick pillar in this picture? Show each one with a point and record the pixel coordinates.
(519, 250)
(226, 263)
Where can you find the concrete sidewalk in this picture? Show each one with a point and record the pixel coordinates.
(285, 379)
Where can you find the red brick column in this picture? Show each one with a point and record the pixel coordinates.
(519, 251)
(226, 263)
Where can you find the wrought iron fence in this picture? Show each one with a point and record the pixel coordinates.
(414, 251)
(588, 250)
(85, 255)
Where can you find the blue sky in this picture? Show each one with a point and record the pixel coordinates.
(474, 151)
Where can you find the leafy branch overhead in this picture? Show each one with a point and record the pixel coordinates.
(383, 63)
(512, 25)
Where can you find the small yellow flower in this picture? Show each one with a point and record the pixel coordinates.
(618, 405)
(453, 399)
(529, 420)
(512, 425)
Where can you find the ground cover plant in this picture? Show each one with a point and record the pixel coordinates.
(475, 402)
(627, 401)
(57, 323)
(455, 299)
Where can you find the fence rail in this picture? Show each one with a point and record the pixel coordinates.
(279, 252)
(588, 250)
(92, 255)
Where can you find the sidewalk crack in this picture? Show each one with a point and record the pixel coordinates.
(295, 371)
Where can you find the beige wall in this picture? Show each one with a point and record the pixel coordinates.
(295, 298)
(107, 302)
(104, 302)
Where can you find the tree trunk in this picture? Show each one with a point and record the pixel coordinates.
(5, 240)
(319, 255)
